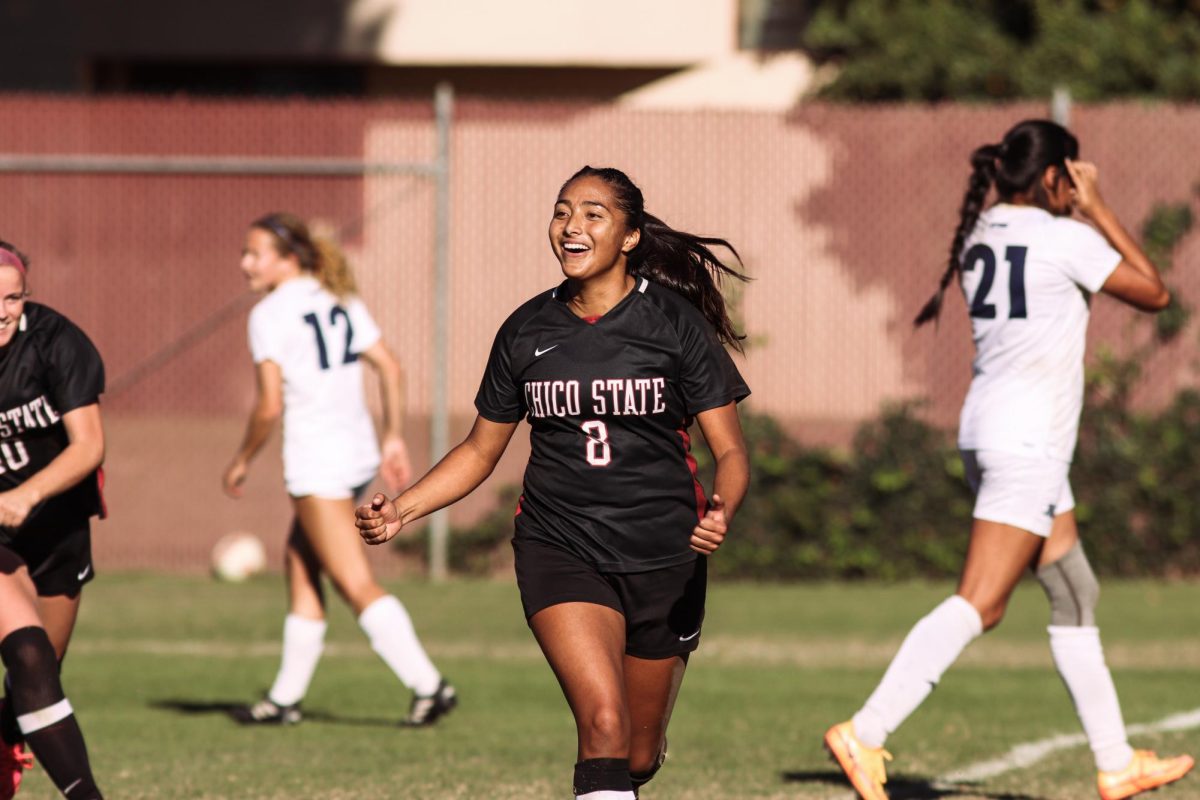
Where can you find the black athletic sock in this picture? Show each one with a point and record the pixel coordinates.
(35, 691)
(61, 752)
(602, 775)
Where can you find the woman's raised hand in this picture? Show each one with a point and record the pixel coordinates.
(1086, 193)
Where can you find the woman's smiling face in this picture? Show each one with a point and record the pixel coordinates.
(588, 232)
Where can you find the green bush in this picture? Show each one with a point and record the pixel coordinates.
(899, 507)
(1137, 482)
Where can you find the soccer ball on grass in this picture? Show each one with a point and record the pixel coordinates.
(238, 556)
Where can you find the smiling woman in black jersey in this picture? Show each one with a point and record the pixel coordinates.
(51, 447)
(612, 529)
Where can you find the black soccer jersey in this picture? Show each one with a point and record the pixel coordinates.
(610, 475)
(50, 367)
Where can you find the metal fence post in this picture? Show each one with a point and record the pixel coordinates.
(1060, 106)
(439, 433)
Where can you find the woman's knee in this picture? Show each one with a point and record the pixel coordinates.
(18, 602)
(991, 610)
(358, 592)
(605, 730)
(27, 652)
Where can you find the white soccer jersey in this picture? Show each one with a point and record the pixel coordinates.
(1027, 275)
(329, 444)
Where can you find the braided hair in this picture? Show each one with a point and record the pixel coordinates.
(1014, 166)
(683, 262)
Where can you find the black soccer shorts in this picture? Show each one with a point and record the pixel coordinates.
(663, 608)
(58, 553)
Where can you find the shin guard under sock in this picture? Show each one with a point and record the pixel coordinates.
(44, 714)
(1079, 658)
(303, 643)
(928, 651)
(390, 631)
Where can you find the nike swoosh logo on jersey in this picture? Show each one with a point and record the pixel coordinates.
(84, 572)
(538, 352)
(689, 638)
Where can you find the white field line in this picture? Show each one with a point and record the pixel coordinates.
(716, 649)
(212, 648)
(1028, 754)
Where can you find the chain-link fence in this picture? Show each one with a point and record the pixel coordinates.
(843, 216)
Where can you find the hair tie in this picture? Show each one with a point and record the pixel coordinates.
(10, 259)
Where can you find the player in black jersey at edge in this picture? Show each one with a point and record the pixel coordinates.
(612, 529)
(51, 446)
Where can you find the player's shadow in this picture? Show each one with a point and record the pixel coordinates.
(229, 708)
(900, 787)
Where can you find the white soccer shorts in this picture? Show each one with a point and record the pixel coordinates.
(1015, 490)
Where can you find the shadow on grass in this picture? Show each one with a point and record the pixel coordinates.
(902, 788)
(229, 708)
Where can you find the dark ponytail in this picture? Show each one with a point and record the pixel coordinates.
(983, 173)
(1015, 166)
(680, 261)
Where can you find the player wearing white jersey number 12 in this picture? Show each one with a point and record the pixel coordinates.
(309, 336)
(1027, 271)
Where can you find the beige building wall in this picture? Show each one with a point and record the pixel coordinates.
(678, 54)
(620, 33)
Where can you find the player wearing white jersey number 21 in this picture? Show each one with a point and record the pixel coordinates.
(1028, 272)
(309, 336)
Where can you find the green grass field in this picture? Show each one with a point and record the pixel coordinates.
(156, 660)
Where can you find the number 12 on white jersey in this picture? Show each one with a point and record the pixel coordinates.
(985, 255)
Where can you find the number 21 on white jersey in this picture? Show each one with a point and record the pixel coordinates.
(982, 260)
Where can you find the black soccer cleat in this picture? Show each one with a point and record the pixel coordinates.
(267, 712)
(426, 710)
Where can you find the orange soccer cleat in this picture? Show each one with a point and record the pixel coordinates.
(14, 760)
(863, 765)
(1145, 772)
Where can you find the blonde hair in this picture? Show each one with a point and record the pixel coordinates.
(319, 255)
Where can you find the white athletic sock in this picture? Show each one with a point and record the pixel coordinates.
(606, 795)
(929, 649)
(1080, 661)
(303, 641)
(390, 630)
